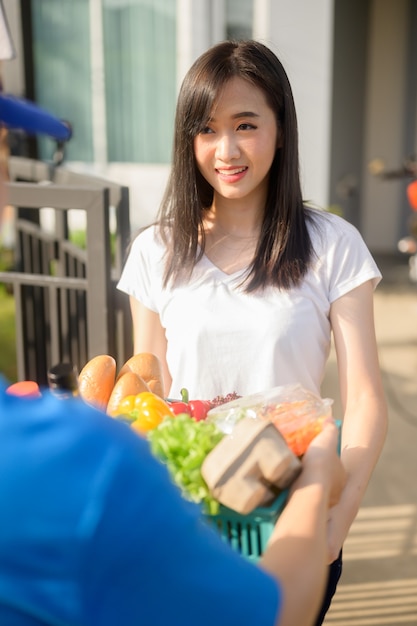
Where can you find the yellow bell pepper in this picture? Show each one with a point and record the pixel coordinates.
(146, 409)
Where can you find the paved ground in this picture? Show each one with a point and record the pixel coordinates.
(379, 581)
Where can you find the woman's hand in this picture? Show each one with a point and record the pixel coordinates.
(322, 455)
(323, 450)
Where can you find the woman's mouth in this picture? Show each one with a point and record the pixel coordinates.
(231, 174)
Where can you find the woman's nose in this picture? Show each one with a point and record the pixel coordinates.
(227, 147)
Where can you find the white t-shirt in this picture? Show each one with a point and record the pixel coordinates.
(222, 340)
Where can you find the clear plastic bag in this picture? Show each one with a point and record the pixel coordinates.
(296, 412)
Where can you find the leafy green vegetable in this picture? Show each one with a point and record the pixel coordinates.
(182, 444)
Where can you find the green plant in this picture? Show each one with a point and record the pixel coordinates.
(78, 238)
(8, 364)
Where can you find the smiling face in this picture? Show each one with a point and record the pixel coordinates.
(235, 151)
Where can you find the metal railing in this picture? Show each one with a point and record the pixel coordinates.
(67, 304)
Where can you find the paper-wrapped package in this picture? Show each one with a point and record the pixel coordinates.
(250, 466)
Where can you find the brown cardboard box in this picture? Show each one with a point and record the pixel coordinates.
(250, 466)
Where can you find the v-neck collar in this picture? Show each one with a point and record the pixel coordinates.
(219, 273)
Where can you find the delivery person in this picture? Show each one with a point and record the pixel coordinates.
(93, 532)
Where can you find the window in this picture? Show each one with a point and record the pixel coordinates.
(61, 52)
(139, 53)
(140, 78)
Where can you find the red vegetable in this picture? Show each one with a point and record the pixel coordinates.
(198, 409)
(179, 407)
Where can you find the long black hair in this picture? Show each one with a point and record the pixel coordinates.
(284, 248)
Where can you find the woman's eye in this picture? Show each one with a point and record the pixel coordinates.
(246, 126)
(206, 130)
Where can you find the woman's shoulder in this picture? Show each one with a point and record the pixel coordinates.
(145, 234)
(147, 239)
(340, 252)
(326, 227)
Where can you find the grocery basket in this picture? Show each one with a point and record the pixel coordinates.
(248, 534)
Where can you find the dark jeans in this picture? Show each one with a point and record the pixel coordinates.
(335, 571)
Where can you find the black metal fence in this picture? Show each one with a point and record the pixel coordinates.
(67, 304)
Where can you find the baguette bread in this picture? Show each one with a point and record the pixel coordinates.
(148, 367)
(96, 380)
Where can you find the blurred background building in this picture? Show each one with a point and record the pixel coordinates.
(113, 69)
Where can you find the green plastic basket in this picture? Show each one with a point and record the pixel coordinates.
(248, 534)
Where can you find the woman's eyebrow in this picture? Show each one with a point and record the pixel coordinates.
(237, 116)
(245, 114)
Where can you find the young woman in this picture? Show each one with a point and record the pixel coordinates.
(239, 285)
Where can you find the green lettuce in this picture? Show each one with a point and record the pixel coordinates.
(182, 444)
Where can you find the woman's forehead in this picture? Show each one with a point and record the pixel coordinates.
(237, 96)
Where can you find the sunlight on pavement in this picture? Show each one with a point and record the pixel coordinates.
(375, 604)
(378, 533)
(381, 532)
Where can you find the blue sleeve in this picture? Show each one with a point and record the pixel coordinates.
(153, 561)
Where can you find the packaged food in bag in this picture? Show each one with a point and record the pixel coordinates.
(296, 412)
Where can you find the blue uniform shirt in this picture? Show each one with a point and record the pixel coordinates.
(93, 532)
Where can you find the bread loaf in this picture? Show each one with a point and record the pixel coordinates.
(96, 380)
(148, 367)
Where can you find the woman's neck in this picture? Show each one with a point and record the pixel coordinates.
(233, 219)
(231, 238)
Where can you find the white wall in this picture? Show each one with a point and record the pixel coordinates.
(300, 33)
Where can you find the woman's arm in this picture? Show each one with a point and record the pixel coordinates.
(365, 411)
(297, 551)
(149, 336)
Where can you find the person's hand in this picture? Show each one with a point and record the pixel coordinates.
(322, 457)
